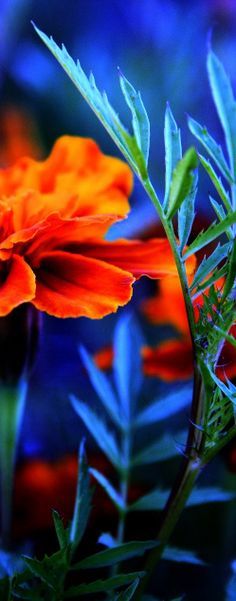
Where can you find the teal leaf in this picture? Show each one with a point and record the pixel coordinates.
(100, 586)
(115, 497)
(102, 387)
(50, 569)
(140, 121)
(225, 104)
(127, 364)
(98, 430)
(207, 236)
(182, 556)
(156, 499)
(164, 408)
(161, 450)
(61, 532)
(107, 540)
(209, 264)
(214, 150)
(173, 149)
(129, 592)
(83, 500)
(100, 105)
(115, 555)
(186, 214)
(223, 194)
(182, 181)
(221, 214)
(219, 273)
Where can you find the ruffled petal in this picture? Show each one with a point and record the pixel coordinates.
(75, 286)
(17, 284)
(170, 361)
(153, 258)
(168, 306)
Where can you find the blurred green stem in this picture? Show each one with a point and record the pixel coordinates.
(12, 401)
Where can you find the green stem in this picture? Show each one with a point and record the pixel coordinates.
(12, 401)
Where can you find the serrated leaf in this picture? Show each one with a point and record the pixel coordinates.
(165, 407)
(161, 450)
(100, 586)
(83, 500)
(217, 182)
(61, 532)
(231, 272)
(182, 181)
(186, 215)
(99, 431)
(127, 364)
(219, 273)
(156, 499)
(207, 236)
(221, 214)
(128, 593)
(182, 556)
(115, 555)
(209, 264)
(173, 150)
(214, 150)
(50, 569)
(102, 387)
(229, 391)
(140, 121)
(115, 497)
(99, 103)
(225, 104)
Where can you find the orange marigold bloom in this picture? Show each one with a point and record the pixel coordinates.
(54, 215)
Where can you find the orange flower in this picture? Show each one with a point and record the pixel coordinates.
(54, 215)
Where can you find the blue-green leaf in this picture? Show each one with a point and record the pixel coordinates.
(82, 506)
(115, 497)
(100, 586)
(127, 363)
(164, 408)
(182, 556)
(225, 104)
(140, 121)
(129, 592)
(186, 214)
(182, 181)
(99, 431)
(214, 150)
(116, 554)
(102, 386)
(173, 149)
(223, 194)
(207, 236)
(161, 450)
(156, 499)
(209, 264)
(61, 532)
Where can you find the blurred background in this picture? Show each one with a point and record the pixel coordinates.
(161, 48)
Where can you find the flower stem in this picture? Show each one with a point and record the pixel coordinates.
(12, 401)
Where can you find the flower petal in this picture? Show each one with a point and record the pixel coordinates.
(170, 361)
(152, 258)
(17, 286)
(168, 306)
(73, 286)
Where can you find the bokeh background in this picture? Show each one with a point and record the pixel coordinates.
(161, 47)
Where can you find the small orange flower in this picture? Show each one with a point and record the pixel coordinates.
(54, 215)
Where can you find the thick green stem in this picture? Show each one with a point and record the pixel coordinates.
(12, 401)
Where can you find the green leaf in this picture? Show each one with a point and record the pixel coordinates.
(182, 556)
(209, 264)
(61, 532)
(207, 236)
(161, 450)
(226, 336)
(214, 150)
(100, 586)
(219, 273)
(182, 181)
(140, 121)
(128, 593)
(225, 104)
(102, 387)
(99, 103)
(6, 589)
(155, 500)
(115, 497)
(50, 570)
(116, 554)
(164, 408)
(217, 182)
(83, 500)
(173, 149)
(231, 273)
(221, 214)
(99, 431)
(186, 215)
(127, 364)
